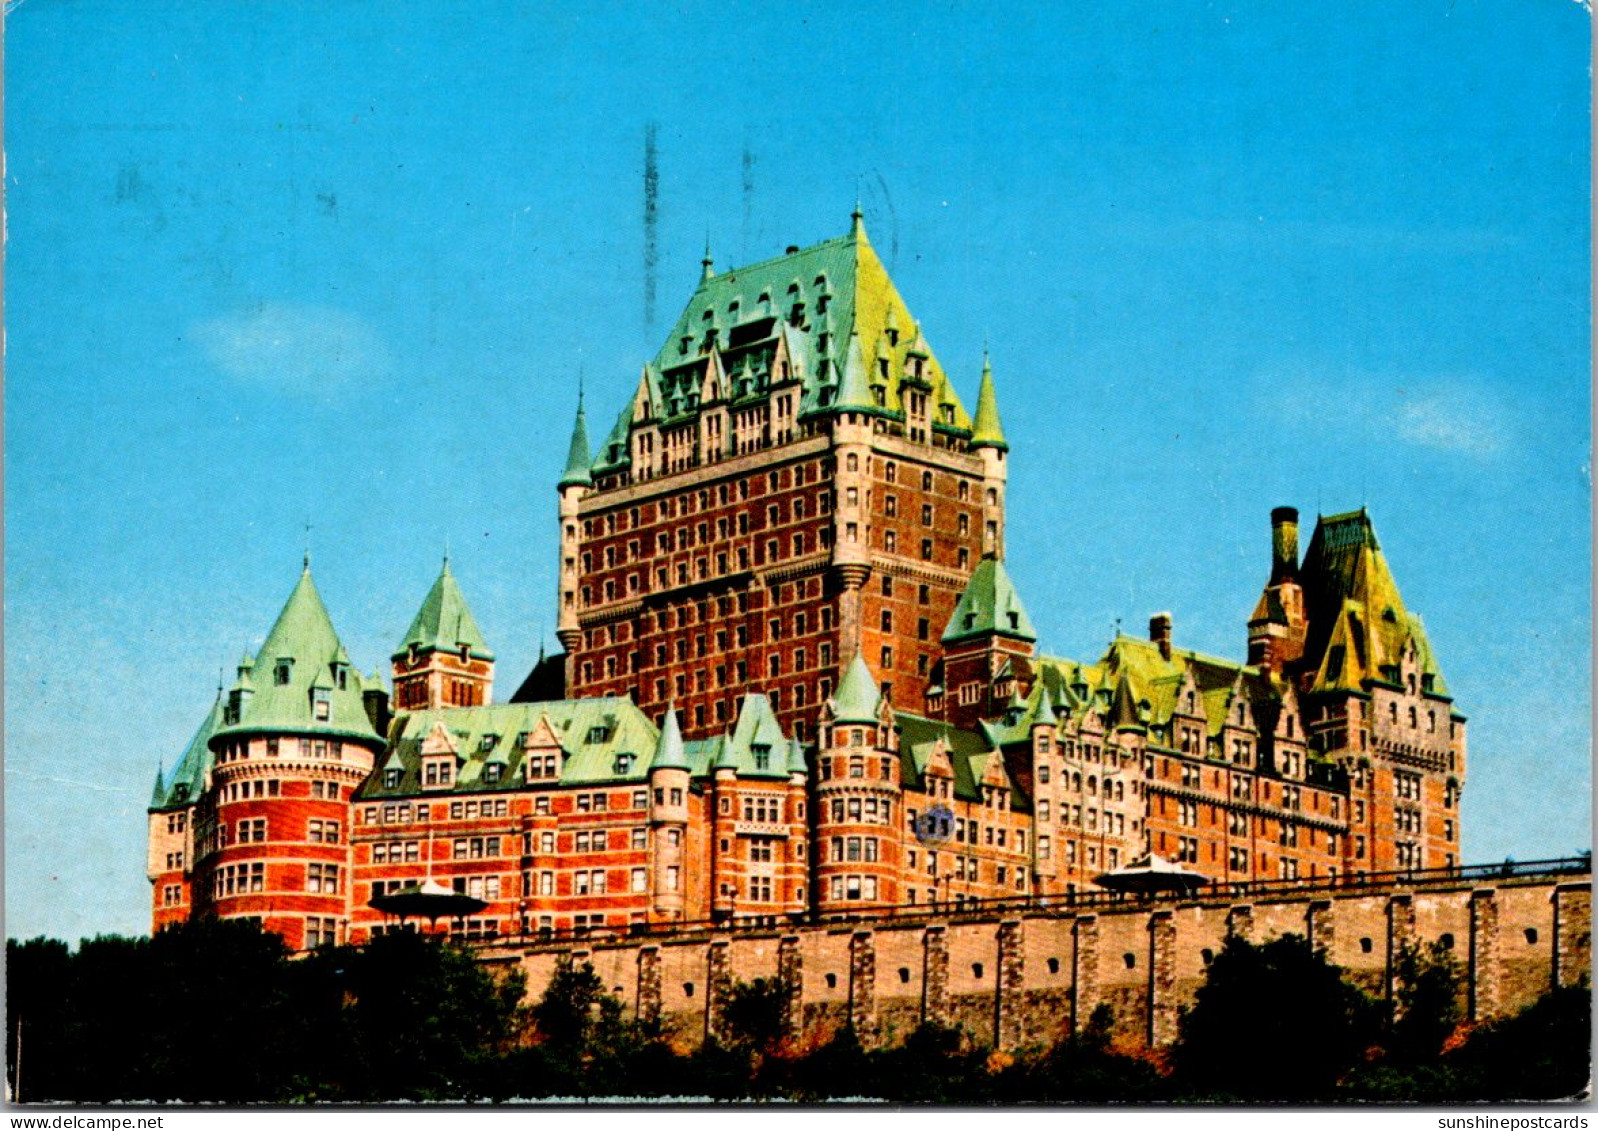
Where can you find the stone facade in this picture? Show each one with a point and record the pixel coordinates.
(1023, 981)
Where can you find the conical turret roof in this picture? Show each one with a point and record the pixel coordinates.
(295, 671)
(858, 698)
(445, 623)
(987, 432)
(578, 456)
(669, 753)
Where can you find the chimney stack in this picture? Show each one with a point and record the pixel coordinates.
(1160, 632)
(1284, 545)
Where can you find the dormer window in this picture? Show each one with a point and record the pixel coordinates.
(391, 779)
(341, 676)
(623, 763)
(181, 791)
(438, 773)
(281, 671)
(762, 754)
(466, 653)
(600, 733)
(322, 703)
(488, 743)
(493, 772)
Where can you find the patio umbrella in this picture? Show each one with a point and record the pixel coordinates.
(429, 900)
(1151, 874)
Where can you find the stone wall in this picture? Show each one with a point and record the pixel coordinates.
(1030, 979)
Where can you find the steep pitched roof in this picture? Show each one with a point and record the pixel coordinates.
(445, 623)
(1352, 602)
(987, 431)
(858, 698)
(193, 766)
(831, 306)
(578, 457)
(299, 662)
(989, 604)
(669, 752)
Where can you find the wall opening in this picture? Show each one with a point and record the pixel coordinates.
(904, 974)
(832, 981)
(1054, 966)
(688, 989)
(1446, 941)
(1365, 946)
(1130, 959)
(1207, 956)
(976, 970)
(1531, 936)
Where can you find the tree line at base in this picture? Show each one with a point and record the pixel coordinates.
(219, 1012)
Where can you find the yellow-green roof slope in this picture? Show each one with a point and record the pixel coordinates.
(1358, 625)
(823, 303)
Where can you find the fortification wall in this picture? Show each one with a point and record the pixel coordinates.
(1024, 979)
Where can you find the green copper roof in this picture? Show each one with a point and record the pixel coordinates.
(578, 457)
(192, 768)
(858, 698)
(298, 663)
(602, 741)
(1354, 608)
(989, 604)
(444, 623)
(669, 754)
(988, 432)
(829, 312)
(796, 758)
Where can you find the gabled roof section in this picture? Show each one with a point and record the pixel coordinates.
(301, 661)
(193, 766)
(990, 605)
(445, 623)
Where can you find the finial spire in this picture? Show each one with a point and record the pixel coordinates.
(707, 264)
(305, 562)
(857, 217)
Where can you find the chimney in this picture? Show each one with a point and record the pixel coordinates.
(1160, 632)
(793, 249)
(1284, 545)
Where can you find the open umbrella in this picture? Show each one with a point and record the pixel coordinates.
(429, 900)
(1152, 874)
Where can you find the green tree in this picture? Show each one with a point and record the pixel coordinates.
(755, 1012)
(1272, 1022)
(1427, 989)
(409, 1017)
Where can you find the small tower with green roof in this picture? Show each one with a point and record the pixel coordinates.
(988, 647)
(669, 773)
(443, 660)
(575, 482)
(858, 797)
(271, 838)
(987, 440)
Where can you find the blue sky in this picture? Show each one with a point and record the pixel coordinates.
(343, 264)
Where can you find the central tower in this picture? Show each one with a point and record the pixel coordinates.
(794, 482)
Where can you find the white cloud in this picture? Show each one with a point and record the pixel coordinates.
(1457, 415)
(1454, 421)
(298, 349)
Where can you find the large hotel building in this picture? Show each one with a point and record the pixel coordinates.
(798, 681)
